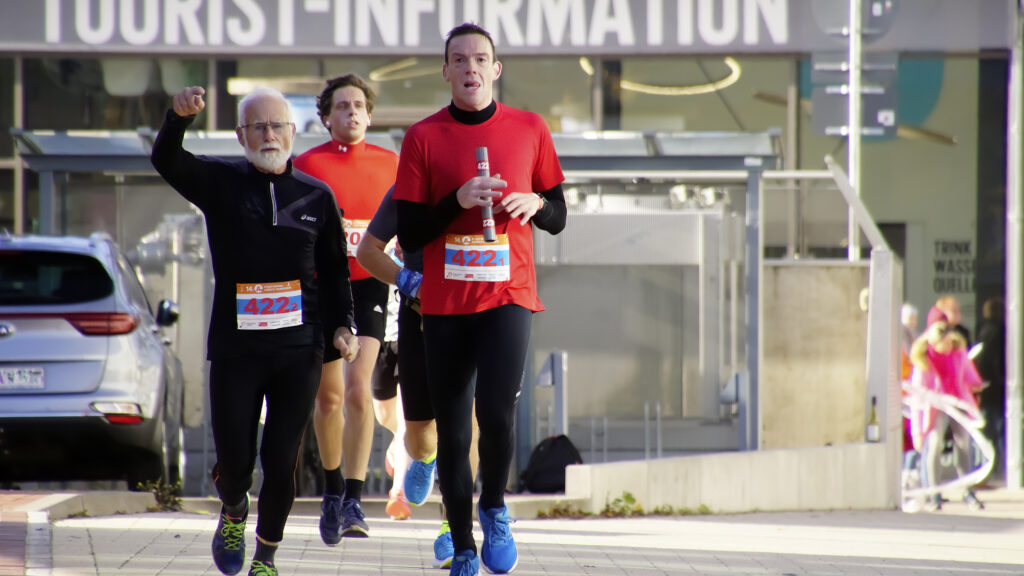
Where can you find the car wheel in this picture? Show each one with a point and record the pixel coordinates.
(168, 464)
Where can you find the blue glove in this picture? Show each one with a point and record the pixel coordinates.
(409, 283)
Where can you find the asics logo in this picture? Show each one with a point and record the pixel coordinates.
(307, 217)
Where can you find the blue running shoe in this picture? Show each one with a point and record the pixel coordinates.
(262, 569)
(330, 520)
(498, 552)
(353, 523)
(229, 544)
(419, 481)
(465, 563)
(444, 549)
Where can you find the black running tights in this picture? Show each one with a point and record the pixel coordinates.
(493, 344)
(289, 380)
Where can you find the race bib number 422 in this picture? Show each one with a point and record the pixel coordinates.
(468, 257)
(268, 306)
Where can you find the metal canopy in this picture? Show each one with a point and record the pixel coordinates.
(126, 151)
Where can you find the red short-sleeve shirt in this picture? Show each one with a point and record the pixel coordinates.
(360, 175)
(439, 156)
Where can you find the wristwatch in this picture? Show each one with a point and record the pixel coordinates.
(543, 201)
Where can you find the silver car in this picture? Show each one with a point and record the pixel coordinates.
(89, 389)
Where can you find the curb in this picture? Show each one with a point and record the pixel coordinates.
(61, 505)
(519, 506)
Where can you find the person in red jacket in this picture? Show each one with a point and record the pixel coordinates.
(477, 296)
(359, 174)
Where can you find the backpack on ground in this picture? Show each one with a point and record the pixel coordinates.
(545, 472)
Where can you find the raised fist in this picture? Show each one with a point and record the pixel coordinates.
(189, 101)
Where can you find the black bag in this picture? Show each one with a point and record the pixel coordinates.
(545, 472)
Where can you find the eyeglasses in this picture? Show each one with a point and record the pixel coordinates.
(262, 127)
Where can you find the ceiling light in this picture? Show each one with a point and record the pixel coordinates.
(729, 80)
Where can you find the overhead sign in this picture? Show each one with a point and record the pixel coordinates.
(576, 27)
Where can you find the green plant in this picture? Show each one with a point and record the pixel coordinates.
(664, 510)
(701, 510)
(562, 510)
(625, 505)
(168, 496)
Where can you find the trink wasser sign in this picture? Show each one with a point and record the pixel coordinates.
(211, 27)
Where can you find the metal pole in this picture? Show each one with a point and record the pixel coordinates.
(657, 426)
(593, 439)
(750, 407)
(792, 161)
(854, 123)
(597, 93)
(1014, 268)
(560, 379)
(734, 316)
(537, 420)
(604, 439)
(19, 168)
(647, 431)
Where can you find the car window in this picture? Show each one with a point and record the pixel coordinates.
(131, 280)
(40, 277)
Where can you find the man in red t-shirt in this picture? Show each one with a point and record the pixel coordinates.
(360, 174)
(477, 297)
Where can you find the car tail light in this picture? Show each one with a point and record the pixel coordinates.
(93, 323)
(119, 412)
(103, 323)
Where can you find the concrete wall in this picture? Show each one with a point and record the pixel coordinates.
(814, 344)
(852, 476)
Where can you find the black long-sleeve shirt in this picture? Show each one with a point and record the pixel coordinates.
(262, 228)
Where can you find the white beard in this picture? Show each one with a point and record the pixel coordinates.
(269, 160)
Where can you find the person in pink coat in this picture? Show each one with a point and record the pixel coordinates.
(943, 368)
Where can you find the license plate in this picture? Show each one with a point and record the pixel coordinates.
(21, 378)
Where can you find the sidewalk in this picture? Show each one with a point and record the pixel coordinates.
(955, 541)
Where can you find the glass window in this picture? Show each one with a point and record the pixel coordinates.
(7, 200)
(408, 89)
(103, 93)
(40, 277)
(126, 207)
(6, 106)
(556, 88)
(657, 93)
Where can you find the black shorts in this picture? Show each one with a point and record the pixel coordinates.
(370, 300)
(412, 365)
(385, 372)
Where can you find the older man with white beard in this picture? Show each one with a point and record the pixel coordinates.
(281, 291)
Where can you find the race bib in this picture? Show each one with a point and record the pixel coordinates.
(354, 232)
(468, 257)
(268, 306)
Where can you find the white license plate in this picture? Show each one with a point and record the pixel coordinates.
(21, 378)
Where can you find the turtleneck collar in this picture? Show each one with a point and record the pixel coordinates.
(348, 148)
(473, 116)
